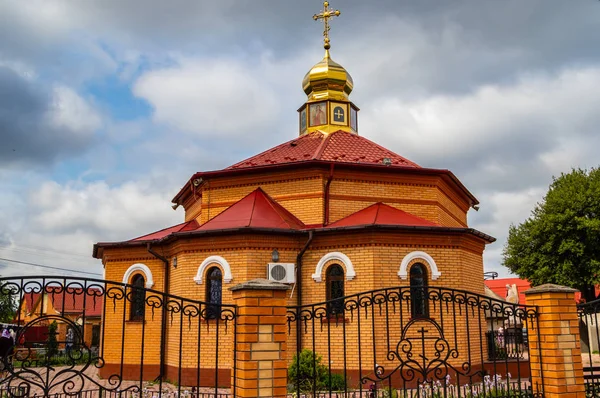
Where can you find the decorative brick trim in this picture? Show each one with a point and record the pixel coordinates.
(139, 267)
(341, 257)
(403, 272)
(227, 277)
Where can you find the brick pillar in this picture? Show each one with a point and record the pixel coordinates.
(261, 332)
(561, 373)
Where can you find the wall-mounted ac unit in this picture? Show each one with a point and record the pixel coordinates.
(281, 272)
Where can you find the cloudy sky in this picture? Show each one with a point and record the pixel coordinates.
(107, 107)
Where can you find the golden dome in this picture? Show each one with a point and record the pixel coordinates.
(327, 80)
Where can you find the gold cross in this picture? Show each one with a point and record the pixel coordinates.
(325, 15)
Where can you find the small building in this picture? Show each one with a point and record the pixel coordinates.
(37, 311)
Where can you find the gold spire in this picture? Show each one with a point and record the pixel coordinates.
(325, 15)
(328, 85)
(327, 79)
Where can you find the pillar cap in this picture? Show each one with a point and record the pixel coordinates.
(550, 288)
(259, 284)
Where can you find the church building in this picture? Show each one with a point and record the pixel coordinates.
(329, 212)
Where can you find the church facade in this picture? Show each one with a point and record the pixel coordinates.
(329, 212)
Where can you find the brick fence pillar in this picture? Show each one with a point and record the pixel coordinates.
(261, 339)
(557, 347)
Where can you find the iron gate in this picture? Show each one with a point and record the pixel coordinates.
(407, 341)
(89, 337)
(590, 337)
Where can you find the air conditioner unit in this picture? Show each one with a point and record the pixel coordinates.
(281, 272)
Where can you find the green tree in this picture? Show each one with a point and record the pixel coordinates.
(307, 372)
(560, 242)
(52, 343)
(8, 304)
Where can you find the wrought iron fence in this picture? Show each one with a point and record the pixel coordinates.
(110, 339)
(508, 343)
(589, 331)
(393, 342)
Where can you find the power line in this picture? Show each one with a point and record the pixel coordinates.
(38, 249)
(49, 267)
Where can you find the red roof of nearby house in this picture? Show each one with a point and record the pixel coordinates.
(382, 214)
(338, 146)
(256, 210)
(73, 303)
(498, 286)
(186, 226)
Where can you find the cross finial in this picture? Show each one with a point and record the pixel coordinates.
(325, 15)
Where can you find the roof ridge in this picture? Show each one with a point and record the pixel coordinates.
(235, 165)
(388, 150)
(161, 230)
(253, 204)
(322, 145)
(278, 208)
(378, 204)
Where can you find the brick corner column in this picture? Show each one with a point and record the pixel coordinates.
(261, 339)
(555, 353)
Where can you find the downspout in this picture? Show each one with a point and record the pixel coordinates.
(163, 333)
(326, 197)
(299, 286)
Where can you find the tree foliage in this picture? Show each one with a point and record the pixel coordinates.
(560, 242)
(308, 373)
(8, 305)
(52, 343)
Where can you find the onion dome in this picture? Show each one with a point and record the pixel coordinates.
(327, 80)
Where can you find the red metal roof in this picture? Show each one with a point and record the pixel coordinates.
(339, 146)
(186, 226)
(256, 210)
(382, 214)
(498, 286)
(73, 303)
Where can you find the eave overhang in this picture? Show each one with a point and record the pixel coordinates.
(447, 175)
(99, 247)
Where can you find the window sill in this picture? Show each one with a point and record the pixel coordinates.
(335, 319)
(421, 318)
(136, 322)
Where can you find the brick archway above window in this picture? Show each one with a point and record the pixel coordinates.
(342, 258)
(139, 267)
(227, 277)
(418, 255)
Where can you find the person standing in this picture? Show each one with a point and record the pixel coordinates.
(69, 341)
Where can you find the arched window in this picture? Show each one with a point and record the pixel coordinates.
(138, 298)
(335, 290)
(419, 305)
(214, 291)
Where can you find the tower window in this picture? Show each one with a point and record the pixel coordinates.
(214, 292)
(335, 290)
(138, 298)
(419, 305)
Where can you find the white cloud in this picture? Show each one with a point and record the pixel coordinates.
(499, 210)
(61, 222)
(69, 110)
(496, 130)
(119, 212)
(210, 96)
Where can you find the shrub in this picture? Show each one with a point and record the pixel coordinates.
(52, 346)
(336, 382)
(307, 372)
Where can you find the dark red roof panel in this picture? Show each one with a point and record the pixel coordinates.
(498, 286)
(73, 303)
(382, 214)
(186, 226)
(339, 146)
(256, 210)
